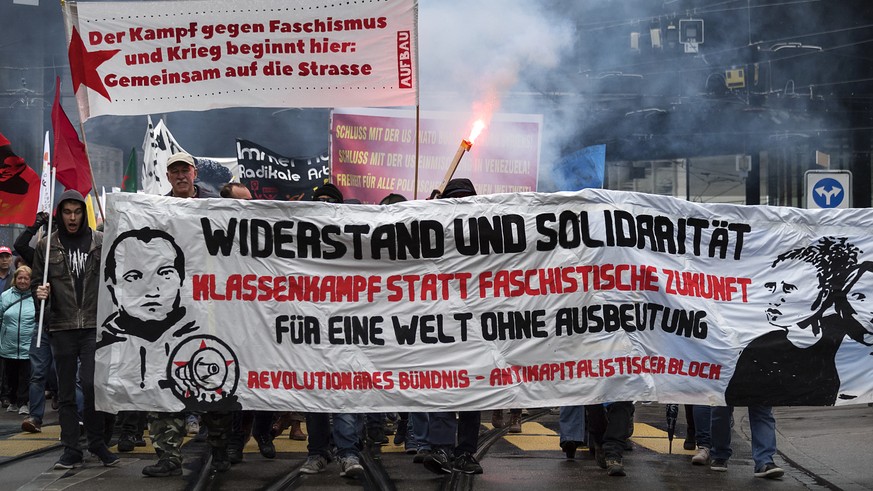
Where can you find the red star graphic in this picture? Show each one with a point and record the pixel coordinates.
(83, 65)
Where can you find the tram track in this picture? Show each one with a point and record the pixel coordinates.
(458, 481)
(375, 476)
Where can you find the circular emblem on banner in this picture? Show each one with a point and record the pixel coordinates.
(828, 193)
(203, 369)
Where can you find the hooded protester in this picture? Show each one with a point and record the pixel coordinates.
(328, 193)
(71, 317)
(454, 440)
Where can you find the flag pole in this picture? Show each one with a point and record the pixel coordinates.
(48, 248)
(91, 169)
(417, 130)
(68, 28)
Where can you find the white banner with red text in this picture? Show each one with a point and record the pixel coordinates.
(494, 301)
(154, 57)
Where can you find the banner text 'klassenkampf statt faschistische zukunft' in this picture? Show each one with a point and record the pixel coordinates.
(497, 301)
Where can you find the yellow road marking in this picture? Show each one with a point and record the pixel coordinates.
(656, 440)
(536, 437)
(13, 448)
(51, 432)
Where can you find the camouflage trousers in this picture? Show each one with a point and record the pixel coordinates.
(167, 431)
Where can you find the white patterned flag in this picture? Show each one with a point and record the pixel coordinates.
(157, 148)
(45, 189)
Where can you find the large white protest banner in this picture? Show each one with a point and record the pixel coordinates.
(494, 301)
(153, 57)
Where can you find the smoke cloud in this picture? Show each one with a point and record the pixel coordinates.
(572, 61)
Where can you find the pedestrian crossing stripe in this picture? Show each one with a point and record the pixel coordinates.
(536, 437)
(14, 448)
(22, 443)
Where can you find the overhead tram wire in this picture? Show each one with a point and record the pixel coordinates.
(616, 23)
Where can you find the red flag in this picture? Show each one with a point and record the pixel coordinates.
(19, 187)
(71, 161)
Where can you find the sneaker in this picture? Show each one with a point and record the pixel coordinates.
(391, 424)
(701, 457)
(400, 433)
(69, 460)
(192, 425)
(615, 468)
(770, 471)
(375, 435)
(314, 465)
(164, 468)
(514, 423)
(438, 462)
(350, 466)
(466, 464)
(265, 446)
(497, 418)
(125, 443)
(139, 441)
(600, 456)
(234, 453)
(108, 458)
(420, 455)
(220, 462)
(31, 425)
(24, 410)
(718, 465)
(12, 408)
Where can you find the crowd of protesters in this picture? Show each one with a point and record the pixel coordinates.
(444, 442)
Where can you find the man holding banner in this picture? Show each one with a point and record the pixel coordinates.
(167, 429)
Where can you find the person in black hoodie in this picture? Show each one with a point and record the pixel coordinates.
(71, 318)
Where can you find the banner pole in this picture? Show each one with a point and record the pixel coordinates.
(417, 131)
(91, 170)
(48, 247)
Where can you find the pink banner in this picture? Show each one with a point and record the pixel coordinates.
(373, 153)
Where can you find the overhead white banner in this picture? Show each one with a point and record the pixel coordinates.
(497, 301)
(153, 57)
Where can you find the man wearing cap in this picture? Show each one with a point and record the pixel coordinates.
(71, 301)
(168, 429)
(181, 172)
(5, 268)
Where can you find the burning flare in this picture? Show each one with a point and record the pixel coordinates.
(478, 126)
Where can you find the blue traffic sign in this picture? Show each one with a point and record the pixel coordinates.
(828, 193)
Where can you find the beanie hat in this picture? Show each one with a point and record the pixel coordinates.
(459, 188)
(392, 198)
(328, 190)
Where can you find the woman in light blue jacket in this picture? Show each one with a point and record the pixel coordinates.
(18, 323)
